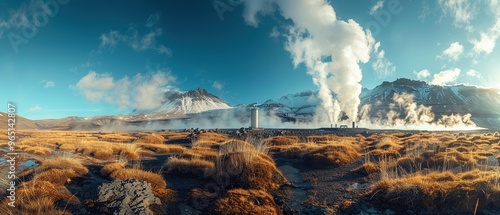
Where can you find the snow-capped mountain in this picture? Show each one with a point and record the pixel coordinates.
(300, 105)
(483, 104)
(204, 109)
(194, 101)
(443, 99)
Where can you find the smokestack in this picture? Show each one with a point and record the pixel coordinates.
(254, 118)
(353, 124)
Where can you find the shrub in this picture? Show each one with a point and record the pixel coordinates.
(239, 201)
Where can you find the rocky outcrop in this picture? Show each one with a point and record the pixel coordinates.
(126, 197)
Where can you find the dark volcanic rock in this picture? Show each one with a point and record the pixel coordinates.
(126, 197)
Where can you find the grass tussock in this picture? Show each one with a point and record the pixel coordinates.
(36, 197)
(164, 148)
(63, 163)
(38, 150)
(212, 137)
(175, 137)
(200, 152)
(367, 169)
(196, 167)
(333, 154)
(282, 140)
(150, 138)
(245, 164)
(102, 150)
(110, 168)
(57, 176)
(156, 180)
(238, 201)
(116, 137)
(242, 170)
(327, 153)
(440, 191)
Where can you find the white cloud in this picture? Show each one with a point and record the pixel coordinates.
(140, 92)
(80, 67)
(256, 7)
(274, 32)
(487, 42)
(453, 52)
(48, 84)
(23, 16)
(94, 85)
(423, 74)
(445, 77)
(381, 65)
(217, 85)
(473, 73)
(36, 108)
(426, 10)
(134, 39)
(379, 5)
(153, 20)
(462, 11)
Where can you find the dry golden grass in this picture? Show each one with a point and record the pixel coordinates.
(239, 201)
(164, 148)
(103, 150)
(327, 153)
(367, 169)
(174, 136)
(200, 152)
(36, 197)
(244, 170)
(63, 163)
(388, 143)
(150, 138)
(110, 168)
(38, 150)
(236, 146)
(56, 176)
(194, 166)
(334, 154)
(282, 140)
(440, 191)
(381, 153)
(214, 137)
(115, 137)
(321, 138)
(241, 164)
(156, 180)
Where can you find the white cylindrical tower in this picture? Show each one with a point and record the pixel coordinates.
(254, 118)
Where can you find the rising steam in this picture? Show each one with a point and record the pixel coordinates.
(404, 113)
(330, 48)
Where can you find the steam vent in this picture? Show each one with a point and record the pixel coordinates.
(254, 118)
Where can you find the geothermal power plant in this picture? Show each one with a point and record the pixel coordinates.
(254, 121)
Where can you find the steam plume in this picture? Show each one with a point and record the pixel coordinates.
(330, 48)
(404, 113)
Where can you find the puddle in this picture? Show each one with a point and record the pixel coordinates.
(29, 164)
(299, 194)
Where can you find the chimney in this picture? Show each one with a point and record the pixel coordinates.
(353, 124)
(254, 118)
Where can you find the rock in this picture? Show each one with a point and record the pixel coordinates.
(186, 210)
(124, 197)
(389, 212)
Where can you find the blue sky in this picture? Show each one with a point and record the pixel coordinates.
(63, 58)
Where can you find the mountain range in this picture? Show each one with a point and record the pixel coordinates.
(199, 106)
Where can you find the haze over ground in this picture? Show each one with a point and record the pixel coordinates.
(71, 58)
